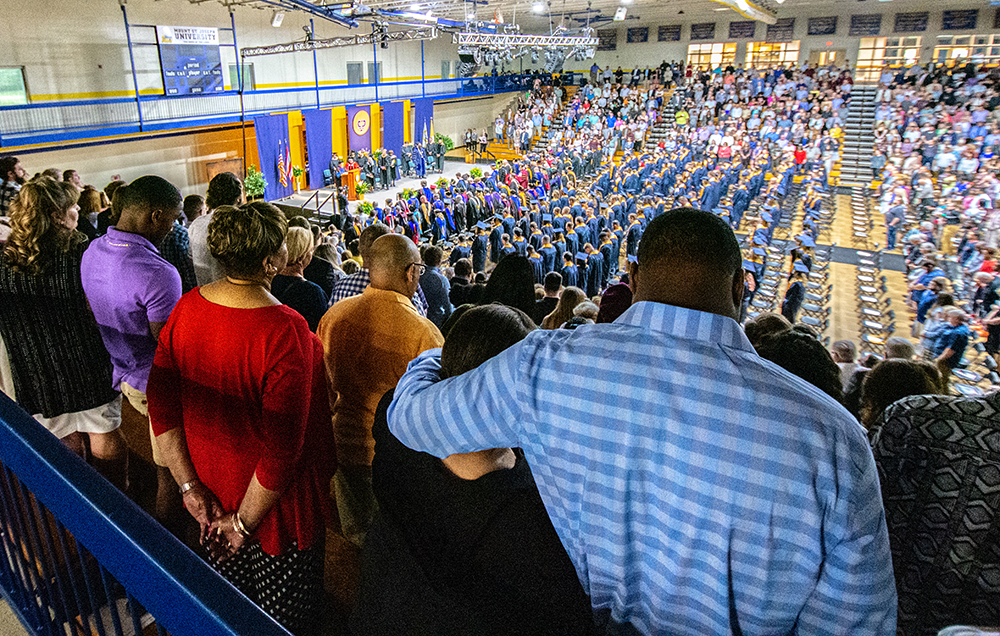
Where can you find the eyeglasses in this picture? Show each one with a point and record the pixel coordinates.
(420, 266)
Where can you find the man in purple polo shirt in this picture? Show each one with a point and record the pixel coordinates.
(132, 290)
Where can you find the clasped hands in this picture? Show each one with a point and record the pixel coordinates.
(220, 531)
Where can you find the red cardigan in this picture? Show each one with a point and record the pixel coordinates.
(249, 387)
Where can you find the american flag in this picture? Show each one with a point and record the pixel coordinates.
(282, 172)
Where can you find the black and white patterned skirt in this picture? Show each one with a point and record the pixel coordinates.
(289, 587)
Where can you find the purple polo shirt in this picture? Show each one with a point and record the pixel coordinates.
(129, 285)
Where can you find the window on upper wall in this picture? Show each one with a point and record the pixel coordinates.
(711, 55)
(959, 49)
(770, 54)
(876, 53)
(249, 83)
(13, 90)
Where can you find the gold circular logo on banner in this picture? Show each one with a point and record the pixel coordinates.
(361, 122)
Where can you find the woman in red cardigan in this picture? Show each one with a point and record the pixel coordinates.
(238, 403)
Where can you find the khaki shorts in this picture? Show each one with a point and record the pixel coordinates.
(138, 401)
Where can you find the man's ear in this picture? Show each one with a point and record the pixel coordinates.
(633, 277)
(739, 279)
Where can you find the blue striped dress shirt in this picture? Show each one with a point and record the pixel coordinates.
(697, 488)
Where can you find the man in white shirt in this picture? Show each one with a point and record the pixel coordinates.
(225, 188)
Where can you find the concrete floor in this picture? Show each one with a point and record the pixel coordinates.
(9, 625)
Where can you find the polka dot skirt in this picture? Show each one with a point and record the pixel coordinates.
(289, 586)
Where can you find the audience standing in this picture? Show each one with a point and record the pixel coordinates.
(386, 334)
(687, 286)
(237, 399)
(132, 290)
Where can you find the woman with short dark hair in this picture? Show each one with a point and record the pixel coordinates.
(238, 403)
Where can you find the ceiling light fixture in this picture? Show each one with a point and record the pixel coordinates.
(626, 1)
(414, 7)
(276, 18)
(539, 7)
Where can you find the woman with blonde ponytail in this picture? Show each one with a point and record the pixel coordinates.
(61, 372)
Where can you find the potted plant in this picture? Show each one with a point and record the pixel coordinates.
(476, 173)
(366, 208)
(360, 188)
(254, 184)
(441, 183)
(447, 141)
(296, 173)
(408, 193)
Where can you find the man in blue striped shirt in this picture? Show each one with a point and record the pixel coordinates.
(697, 488)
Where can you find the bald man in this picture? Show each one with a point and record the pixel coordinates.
(697, 488)
(368, 340)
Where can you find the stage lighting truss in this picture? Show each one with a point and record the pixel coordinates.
(498, 48)
(511, 40)
(379, 35)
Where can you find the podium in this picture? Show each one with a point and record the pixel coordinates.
(352, 178)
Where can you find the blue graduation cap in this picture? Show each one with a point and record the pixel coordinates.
(482, 226)
(807, 241)
(546, 218)
(801, 267)
(767, 217)
(759, 240)
(632, 258)
(581, 256)
(750, 265)
(759, 251)
(498, 217)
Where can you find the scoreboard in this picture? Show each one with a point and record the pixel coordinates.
(190, 60)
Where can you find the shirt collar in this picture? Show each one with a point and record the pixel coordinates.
(686, 323)
(127, 239)
(387, 295)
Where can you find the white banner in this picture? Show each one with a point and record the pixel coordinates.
(201, 36)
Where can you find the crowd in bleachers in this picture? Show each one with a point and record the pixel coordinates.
(650, 460)
(937, 127)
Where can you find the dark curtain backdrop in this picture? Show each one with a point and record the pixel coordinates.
(272, 135)
(392, 127)
(319, 144)
(423, 112)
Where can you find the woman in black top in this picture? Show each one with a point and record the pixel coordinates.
(463, 545)
(290, 285)
(61, 370)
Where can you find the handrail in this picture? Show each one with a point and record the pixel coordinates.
(184, 594)
(486, 80)
(328, 197)
(311, 197)
(72, 120)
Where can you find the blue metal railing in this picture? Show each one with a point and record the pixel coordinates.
(78, 558)
(48, 122)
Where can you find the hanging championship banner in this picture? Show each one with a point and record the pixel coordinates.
(822, 26)
(359, 125)
(959, 20)
(703, 31)
(865, 25)
(637, 34)
(672, 32)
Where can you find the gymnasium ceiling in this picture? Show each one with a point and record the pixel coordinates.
(574, 13)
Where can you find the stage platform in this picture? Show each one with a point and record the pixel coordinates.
(303, 203)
